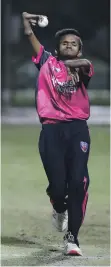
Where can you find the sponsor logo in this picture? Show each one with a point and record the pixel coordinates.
(84, 146)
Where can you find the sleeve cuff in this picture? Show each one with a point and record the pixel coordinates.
(91, 71)
(36, 59)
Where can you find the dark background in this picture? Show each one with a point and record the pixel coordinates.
(90, 18)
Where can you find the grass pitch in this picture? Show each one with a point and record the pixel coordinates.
(27, 234)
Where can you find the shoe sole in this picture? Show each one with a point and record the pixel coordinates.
(72, 253)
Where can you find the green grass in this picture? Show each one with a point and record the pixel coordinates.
(26, 210)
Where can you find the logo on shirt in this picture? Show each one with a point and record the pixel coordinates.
(65, 82)
(64, 87)
(84, 146)
(56, 69)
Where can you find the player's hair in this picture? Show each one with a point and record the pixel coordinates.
(63, 32)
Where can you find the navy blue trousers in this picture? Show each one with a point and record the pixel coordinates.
(64, 149)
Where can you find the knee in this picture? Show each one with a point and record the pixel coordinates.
(57, 192)
(57, 196)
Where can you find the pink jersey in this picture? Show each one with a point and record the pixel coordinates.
(57, 99)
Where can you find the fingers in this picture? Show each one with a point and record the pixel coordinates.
(30, 16)
(33, 22)
(33, 16)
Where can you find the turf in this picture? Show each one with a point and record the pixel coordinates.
(26, 211)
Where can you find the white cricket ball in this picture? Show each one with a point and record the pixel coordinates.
(43, 21)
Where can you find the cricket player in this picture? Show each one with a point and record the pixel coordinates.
(63, 108)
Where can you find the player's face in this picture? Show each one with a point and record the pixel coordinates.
(69, 46)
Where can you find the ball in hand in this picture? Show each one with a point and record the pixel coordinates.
(43, 21)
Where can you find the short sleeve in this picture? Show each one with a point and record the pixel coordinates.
(41, 58)
(90, 73)
(86, 75)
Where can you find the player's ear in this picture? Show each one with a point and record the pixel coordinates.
(79, 54)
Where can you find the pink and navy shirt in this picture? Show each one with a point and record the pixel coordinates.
(56, 97)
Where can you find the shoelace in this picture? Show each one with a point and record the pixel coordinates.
(68, 236)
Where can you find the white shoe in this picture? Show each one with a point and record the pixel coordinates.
(60, 220)
(71, 248)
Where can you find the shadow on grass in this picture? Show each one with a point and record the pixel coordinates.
(35, 259)
(14, 241)
(47, 255)
(22, 242)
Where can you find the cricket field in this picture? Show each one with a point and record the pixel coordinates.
(28, 238)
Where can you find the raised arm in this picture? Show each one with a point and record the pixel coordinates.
(28, 20)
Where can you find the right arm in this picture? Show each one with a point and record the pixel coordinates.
(29, 19)
(41, 55)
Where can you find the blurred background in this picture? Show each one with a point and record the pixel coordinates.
(90, 18)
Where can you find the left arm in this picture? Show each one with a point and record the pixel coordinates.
(78, 63)
(85, 67)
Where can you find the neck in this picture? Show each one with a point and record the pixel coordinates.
(63, 58)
